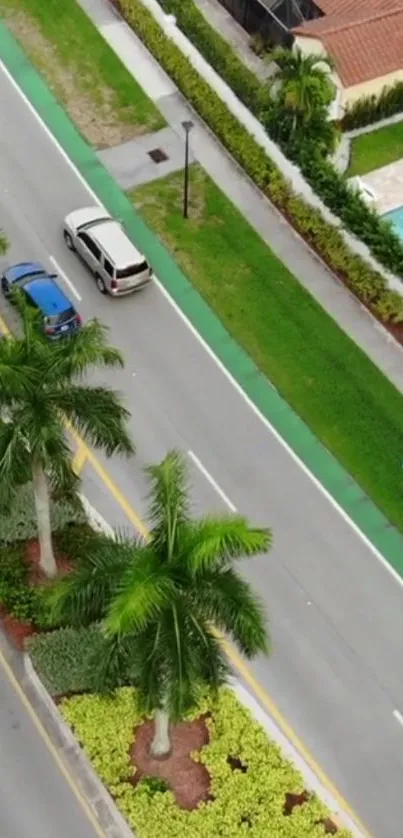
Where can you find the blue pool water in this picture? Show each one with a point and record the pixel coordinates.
(396, 217)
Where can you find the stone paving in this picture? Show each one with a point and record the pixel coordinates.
(146, 158)
(387, 185)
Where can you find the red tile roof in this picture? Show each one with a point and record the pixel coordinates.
(364, 37)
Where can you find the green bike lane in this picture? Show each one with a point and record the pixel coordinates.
(320, 463)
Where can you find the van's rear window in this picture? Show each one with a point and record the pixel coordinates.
(132, 270)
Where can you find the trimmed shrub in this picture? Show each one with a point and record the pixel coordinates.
(216, 51)
(61, 658)
(332, 186)
(366, 283)
(21, 601)
(253, 799)
(18, 523)
(371, 109)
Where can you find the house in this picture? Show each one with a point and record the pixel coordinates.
(365, 40)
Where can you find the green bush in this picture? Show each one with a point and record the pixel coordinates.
(369, 285)
(253, 799)
(371, 109)
(16, 596)
(216, 51)
(18, 523)
(332, 187)
(61, 658)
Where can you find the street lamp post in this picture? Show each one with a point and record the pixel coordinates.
(187, 125)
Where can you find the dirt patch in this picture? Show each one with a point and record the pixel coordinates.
(188, 780)
(90, 106)
(15, 629)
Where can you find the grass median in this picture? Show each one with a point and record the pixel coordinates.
(376, 149)
(326, 378)
(101, 96)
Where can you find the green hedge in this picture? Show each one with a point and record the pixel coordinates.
(357, 216)
(61, 658)
(251, 801)
(17, 597)
(370, 109)
(19, 522)
(217, 52)
(369, 285)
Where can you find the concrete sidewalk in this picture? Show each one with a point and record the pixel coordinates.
(271, 226)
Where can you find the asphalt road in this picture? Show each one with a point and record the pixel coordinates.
(35, 799)
(336, 614)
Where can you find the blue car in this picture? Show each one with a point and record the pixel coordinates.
(42, 291)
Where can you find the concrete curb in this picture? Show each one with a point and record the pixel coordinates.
(98, 798)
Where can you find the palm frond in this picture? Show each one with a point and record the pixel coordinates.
(99, 415)
(87, 348)
(108, 665)
(215, 541)
(4, 243)
(83, 597)
(228, 602)
(146, 667)
(145, 591)
(168, 501)
(15, 459)
(17, 376)
(193, 660)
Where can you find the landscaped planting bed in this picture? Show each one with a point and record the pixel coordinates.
(22, 586)
(227, 776)
(97, 90)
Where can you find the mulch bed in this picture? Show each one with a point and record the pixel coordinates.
(188, 780)
(16, 630)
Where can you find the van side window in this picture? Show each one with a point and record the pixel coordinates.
(108, 267)
(92, 247)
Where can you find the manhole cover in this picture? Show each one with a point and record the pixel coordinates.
(157, 155)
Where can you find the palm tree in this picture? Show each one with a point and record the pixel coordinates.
(305, 86)
(159, 601)
(3, 243)
(40, 389)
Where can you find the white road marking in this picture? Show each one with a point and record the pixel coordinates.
(212, 482)
(398, 716)
(64, 276)
(374, 550)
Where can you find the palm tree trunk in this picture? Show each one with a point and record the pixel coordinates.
(161, 744)
(42, 505)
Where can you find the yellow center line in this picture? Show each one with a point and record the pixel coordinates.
(79, 459)
(235, 658)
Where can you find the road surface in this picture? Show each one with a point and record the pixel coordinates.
(336, 614)
(35, 799)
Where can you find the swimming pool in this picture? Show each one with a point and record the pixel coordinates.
(396, 217)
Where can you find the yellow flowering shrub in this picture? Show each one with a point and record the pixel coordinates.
(245, 803)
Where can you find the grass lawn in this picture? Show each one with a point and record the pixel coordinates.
(376, 149)
(330, 383)
(103, 99)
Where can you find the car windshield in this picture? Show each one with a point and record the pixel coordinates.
(62, 317)
(132, 270)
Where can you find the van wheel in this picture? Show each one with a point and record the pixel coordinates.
(68, 240)
(100, 284)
